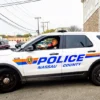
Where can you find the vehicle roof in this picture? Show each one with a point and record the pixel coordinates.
(73, 33)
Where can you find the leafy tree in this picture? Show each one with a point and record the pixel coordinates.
(3, 36)
(18, 35)
(49, 31)
(74, 29)
(27, 35)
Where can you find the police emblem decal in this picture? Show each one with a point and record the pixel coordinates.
(29, 60)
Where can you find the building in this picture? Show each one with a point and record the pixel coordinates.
(91, 15)
(21, 39)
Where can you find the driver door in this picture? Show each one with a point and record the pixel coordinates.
(43, 61)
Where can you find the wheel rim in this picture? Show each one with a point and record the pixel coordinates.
(7, 81)
(97, 75)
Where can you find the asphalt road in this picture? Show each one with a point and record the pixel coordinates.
(55, 90)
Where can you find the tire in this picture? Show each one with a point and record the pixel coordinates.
(9, 80)
(95, 75)
(7, 48)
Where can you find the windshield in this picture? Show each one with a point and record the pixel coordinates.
(98, 37)
(22, 46)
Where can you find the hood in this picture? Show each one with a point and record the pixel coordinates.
(5, 52)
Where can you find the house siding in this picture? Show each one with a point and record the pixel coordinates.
(92, 24)
(91, 15)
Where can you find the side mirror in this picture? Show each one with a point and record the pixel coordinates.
(17, 46)
(30, 48)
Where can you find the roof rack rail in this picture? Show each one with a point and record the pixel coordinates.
(62, 30)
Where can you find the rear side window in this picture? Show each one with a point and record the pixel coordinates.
(98, 37)
(78, 41)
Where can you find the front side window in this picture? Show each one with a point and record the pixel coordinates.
(48, 43)
(45, 43)
(78, 41)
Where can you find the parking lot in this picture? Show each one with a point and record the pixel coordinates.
(55, 90)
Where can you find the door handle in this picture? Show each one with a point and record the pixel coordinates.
(54, 54)
(91, 51)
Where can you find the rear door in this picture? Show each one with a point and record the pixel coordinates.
(76, 53)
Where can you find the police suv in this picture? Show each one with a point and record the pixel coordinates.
(64, 54)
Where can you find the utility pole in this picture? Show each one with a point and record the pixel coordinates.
(43, 25)
(47, 24)
(38, 22)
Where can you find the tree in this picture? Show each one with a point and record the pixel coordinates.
(74, 29)
(3, 36)
(49, 31)
(27, 35)
(18, 35)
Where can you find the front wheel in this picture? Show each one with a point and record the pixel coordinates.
(95, 75)
(9, 80)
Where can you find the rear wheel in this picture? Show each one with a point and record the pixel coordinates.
(95, 75)
(9, 80)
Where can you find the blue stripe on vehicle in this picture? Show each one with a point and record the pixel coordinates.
(92, 56)
(34, 62)
(21, 63)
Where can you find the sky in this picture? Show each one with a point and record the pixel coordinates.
(60, 13)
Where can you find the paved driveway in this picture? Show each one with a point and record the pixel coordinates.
(55, 90)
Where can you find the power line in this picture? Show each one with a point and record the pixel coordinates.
(17, 3)
(18, 17)
(15, 22)
(25, 10)
(21, 10)
(13, 25)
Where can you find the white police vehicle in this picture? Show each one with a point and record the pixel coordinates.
(75, 54)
